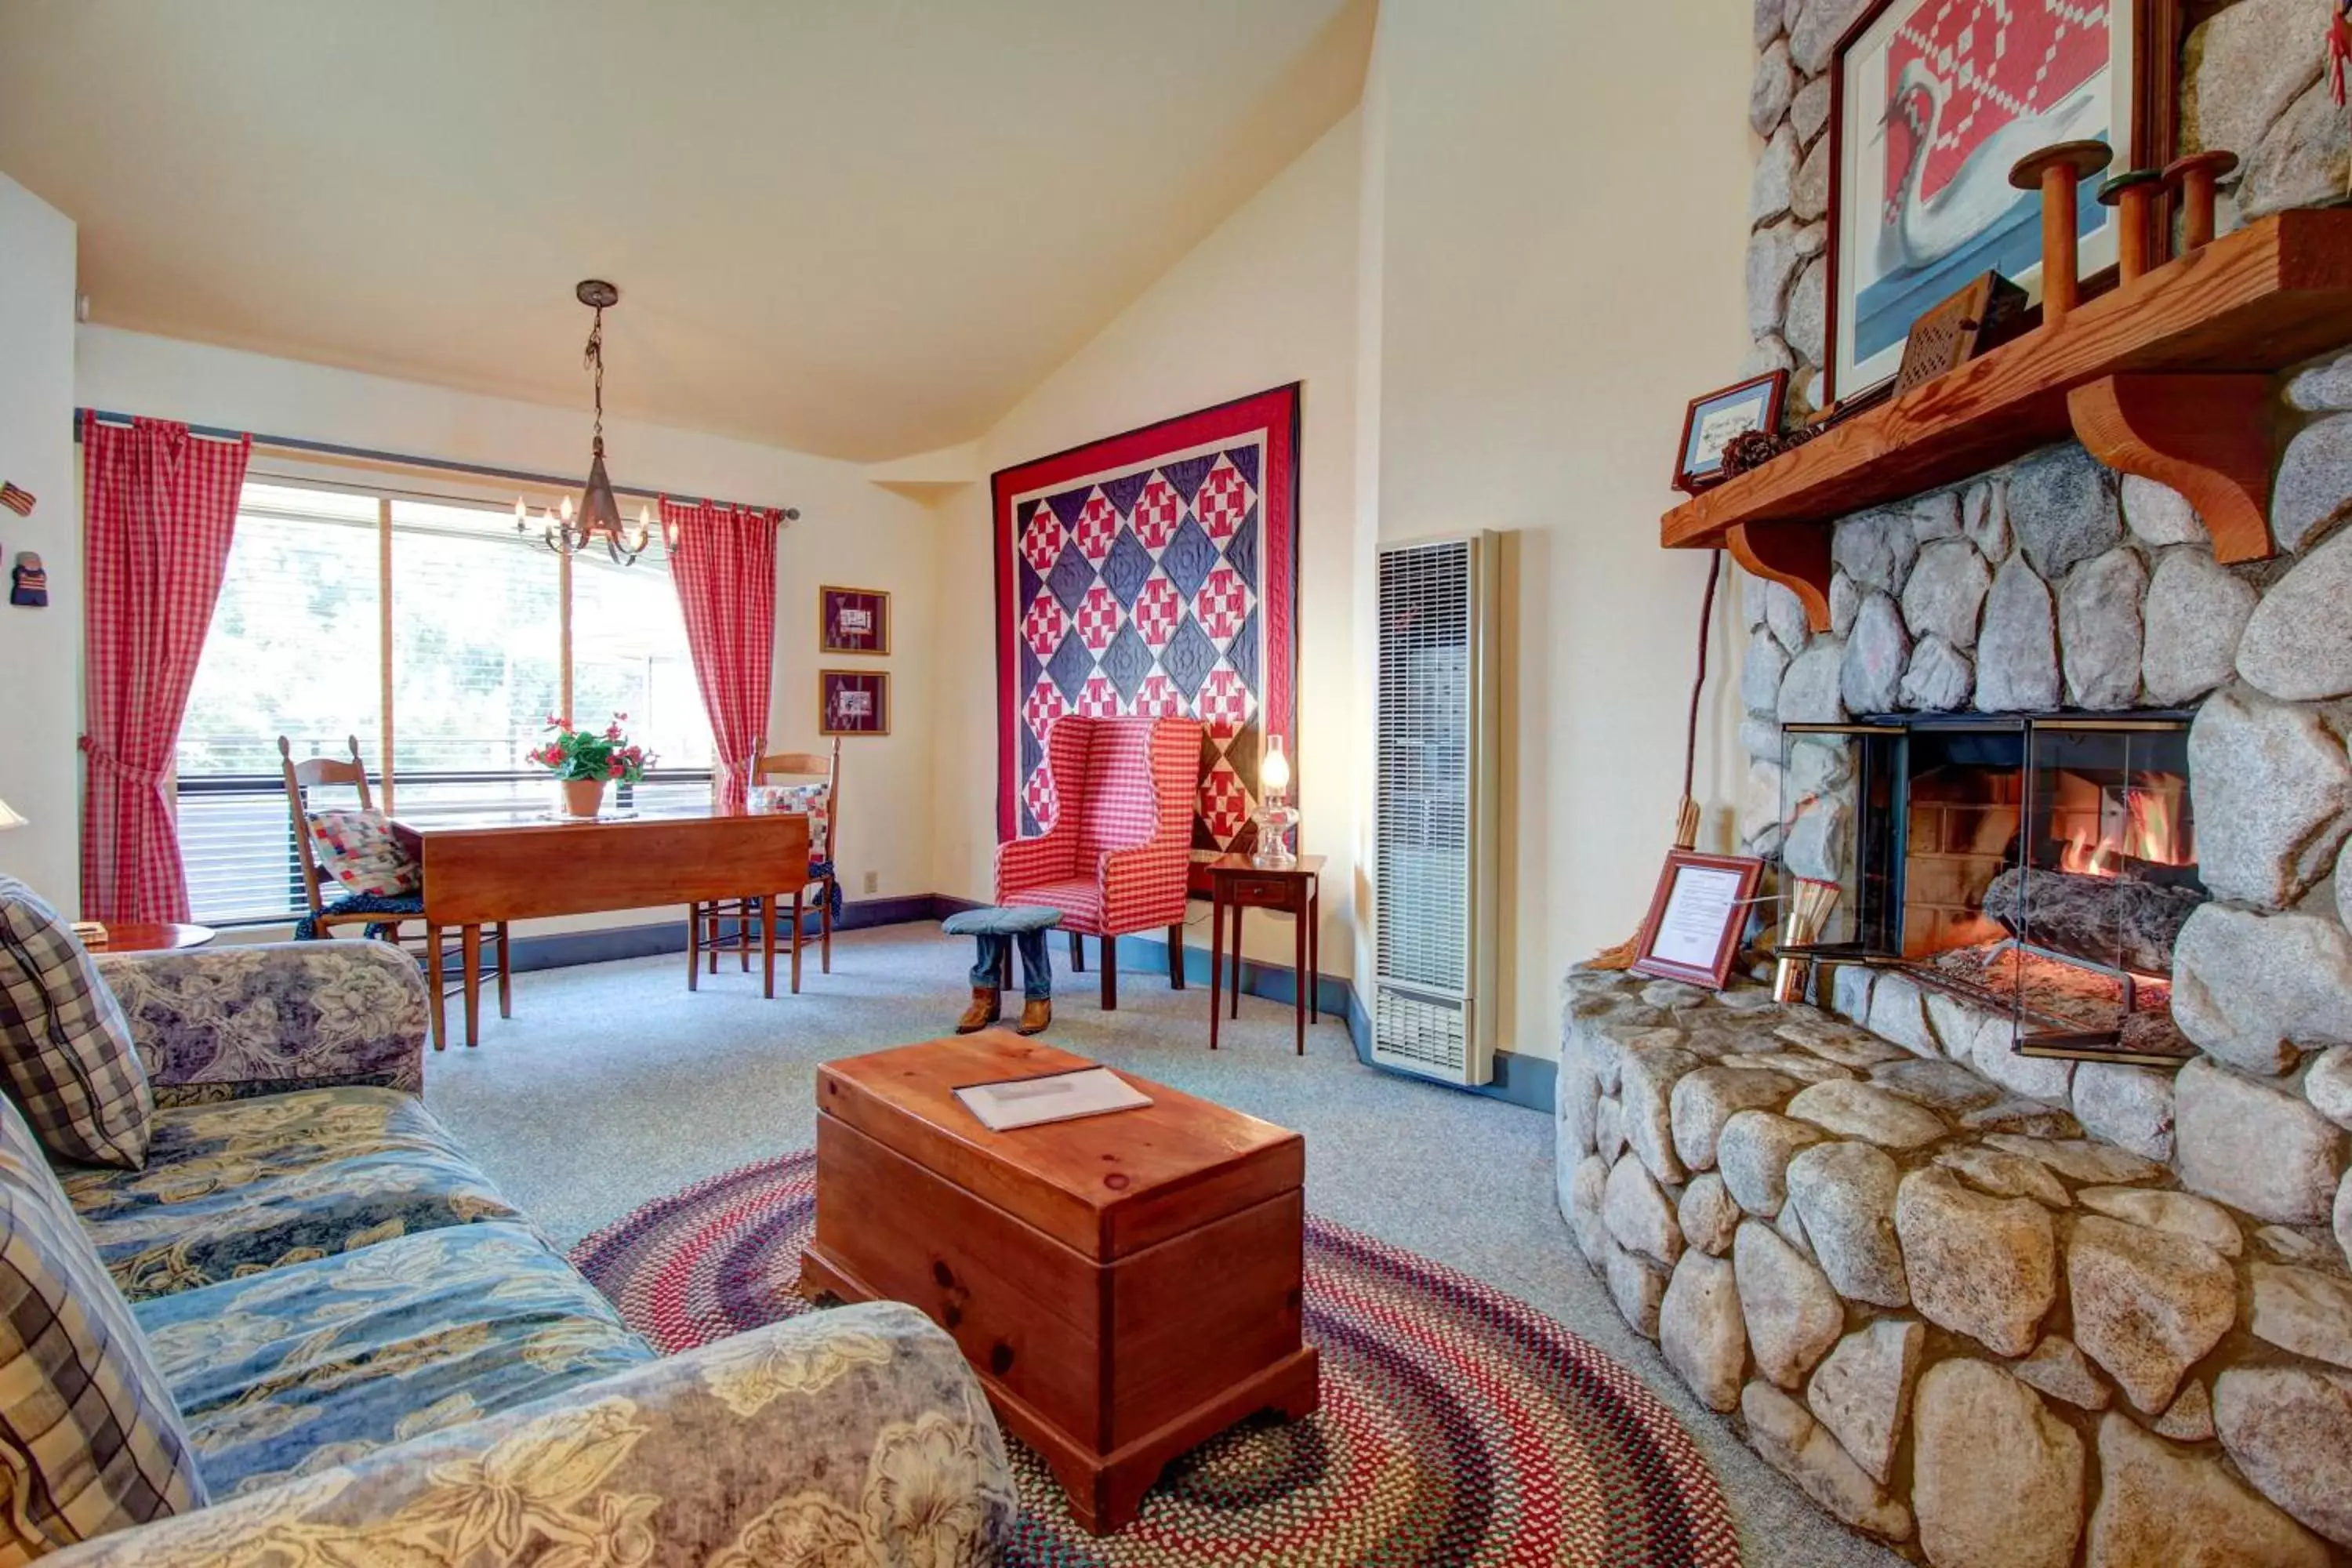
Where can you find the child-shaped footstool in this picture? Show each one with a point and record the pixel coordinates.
(997, 929)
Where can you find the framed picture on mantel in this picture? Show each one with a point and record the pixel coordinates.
(1931, 103)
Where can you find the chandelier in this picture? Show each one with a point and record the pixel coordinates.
(568, 531)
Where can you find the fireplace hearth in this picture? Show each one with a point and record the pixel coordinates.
(2044, 865)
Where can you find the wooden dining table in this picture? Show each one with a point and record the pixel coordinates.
(482, 871)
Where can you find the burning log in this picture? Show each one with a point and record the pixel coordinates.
(2112, 920)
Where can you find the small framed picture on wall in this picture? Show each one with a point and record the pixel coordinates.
(852, 620)
(853, 702)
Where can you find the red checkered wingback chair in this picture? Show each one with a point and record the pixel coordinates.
(1116, 858)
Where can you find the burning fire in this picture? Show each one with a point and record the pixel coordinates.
(2148, 829)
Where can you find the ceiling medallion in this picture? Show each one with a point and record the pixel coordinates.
(569, 531)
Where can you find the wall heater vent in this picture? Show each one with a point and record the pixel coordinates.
(1433, 855)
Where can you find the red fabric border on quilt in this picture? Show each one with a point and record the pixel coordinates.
(1139, 591)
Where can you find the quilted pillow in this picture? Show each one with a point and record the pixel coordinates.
(816, 799)
(65, 1046)
(357, 849)
(89, 1433)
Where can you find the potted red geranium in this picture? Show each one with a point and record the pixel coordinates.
(585, 761)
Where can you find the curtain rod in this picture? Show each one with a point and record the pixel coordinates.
(444, 465)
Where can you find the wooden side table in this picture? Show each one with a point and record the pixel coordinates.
(1297, 889)
(153, 936)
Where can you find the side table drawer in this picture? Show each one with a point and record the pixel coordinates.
(1267, 892)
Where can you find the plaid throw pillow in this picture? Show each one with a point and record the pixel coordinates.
(357, 849)
(87, 1430)
(65, 1046)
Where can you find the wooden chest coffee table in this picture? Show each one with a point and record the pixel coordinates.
(1126, 1285)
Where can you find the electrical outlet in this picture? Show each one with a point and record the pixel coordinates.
(873, 881)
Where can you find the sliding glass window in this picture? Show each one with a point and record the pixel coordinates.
(435, 635)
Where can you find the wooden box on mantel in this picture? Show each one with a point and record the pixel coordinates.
(2169, 376)
(1126, 1285)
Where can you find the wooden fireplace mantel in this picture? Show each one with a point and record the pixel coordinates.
(2169, 377)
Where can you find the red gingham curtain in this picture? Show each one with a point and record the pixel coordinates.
(723, 560)
(162, 506)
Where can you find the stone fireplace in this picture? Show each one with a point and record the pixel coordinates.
(2027, 1238)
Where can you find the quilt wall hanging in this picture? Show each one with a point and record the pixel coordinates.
(1154, 573)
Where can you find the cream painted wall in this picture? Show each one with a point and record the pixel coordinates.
(850, 532)
(1561, 192)
(41, 693)
(1268, 298)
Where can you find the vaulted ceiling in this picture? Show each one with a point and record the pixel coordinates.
(856, 228)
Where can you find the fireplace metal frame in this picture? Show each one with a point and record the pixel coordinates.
(2060, 1037)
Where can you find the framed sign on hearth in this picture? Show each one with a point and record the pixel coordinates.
(1696, 918)
(1931, 103)
(1154, 572)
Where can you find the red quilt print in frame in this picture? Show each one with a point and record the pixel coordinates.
(1154, 571)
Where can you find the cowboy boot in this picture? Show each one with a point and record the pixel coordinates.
(1036, 1015)
(981, 1012)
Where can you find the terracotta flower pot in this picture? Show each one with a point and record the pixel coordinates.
(583, 797)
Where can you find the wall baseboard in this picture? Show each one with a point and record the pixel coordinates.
(1525, 1082)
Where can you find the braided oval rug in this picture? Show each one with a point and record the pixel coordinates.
(1458, 1425)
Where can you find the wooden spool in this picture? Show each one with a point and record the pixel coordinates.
(2133, 194)
(2198, 177)
(2056, 171)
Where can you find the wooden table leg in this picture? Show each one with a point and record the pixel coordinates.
(1315, 949)
(768, 946)
(1303, 981)
(796, 941)
(435, 976)
(1237, 1003)
(469, 941)
(506, 972)
(694, 947)
(1216, 964)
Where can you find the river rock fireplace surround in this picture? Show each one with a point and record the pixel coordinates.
(2016, 1273)
(1987, 1269)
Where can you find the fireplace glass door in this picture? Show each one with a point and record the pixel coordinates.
(2042, 866)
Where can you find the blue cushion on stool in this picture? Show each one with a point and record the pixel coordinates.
(1001, 922)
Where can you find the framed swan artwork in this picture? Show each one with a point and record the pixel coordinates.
(1931, 102)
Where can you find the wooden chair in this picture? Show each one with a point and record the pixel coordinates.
(731, 925)
(364, 910)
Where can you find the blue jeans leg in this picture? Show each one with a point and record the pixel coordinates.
(1036, 974)
(987, 969)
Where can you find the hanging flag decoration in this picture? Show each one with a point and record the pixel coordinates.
(16, 499)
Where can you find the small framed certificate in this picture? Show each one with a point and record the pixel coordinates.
(1696, 916)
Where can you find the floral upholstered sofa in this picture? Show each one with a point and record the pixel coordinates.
(376, 1359)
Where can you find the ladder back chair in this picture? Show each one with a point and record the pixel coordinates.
(384, 917)
(731, 925)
